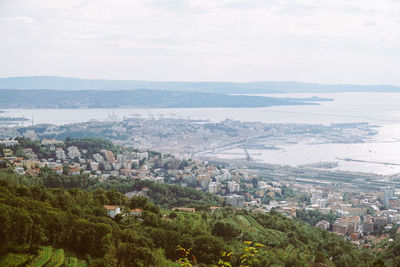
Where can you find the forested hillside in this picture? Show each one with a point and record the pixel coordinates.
(75, 220)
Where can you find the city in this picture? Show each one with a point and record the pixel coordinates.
(364, 217)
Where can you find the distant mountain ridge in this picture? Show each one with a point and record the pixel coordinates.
(139, 98)
(69, 84)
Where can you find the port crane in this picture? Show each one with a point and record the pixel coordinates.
(248, 158)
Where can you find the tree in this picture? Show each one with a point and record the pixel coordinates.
(225, 229)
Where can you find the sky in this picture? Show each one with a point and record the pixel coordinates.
(331, 41)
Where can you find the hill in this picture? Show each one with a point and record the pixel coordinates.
(259, 87)
(139, 98)
(74, 220)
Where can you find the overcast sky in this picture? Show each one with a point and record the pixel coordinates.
(328, 41)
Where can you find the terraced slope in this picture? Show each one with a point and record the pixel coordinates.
(43, 258)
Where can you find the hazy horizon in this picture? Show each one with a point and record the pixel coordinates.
(197, 81)
(336, 42)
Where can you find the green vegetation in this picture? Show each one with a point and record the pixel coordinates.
(71, 262)
(136, 98)
(92, 145)
(165, 195)
(313, 217)
(43, 258)
(41, 152)
(57, 259)
(41, 217)
(14, 260)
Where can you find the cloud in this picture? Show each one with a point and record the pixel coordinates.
(27, 20)
(311, 40)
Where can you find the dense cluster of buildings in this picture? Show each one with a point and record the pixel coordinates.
(359, 214)
(186, 136)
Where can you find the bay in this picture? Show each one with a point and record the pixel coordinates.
(380, 109)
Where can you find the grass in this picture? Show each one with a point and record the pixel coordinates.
(82, 264)
(13, 260)
(43, 258)
(71, 262)
(57, 259)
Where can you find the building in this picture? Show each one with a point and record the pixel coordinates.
(203, 180)
(347, 225)
(368, 225)
(233, 187)
(73, 152)
(321, 202)
(7, 152)
(73, 171)
(60, 154)
(114, 173)
(109, 155)
(388, 193)
(10, 142)
(107, 166)
(323, 225)
(127, 164)
(98, 158)
(121, 158)
(116, 165)
(112, 210)
(51, 142)
(225, 176)
(356, 211)
(235, 200)
(94, 166)
(214, 187)
(261, 184)
(136, 212)
(185, 209)
(159, 179)
(127, 173)
(381, 220)
(58, 169)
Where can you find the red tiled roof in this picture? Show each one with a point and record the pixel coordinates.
(110, 207)
(185, 209)
(136, 210)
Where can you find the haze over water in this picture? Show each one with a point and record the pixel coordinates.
(380, 109)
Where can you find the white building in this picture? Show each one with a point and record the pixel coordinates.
(127, 164)
(116, 165)
(73, 152)
(51, 142)
(98, 158)
(225, 176)
(321, 203)
(388, 193)
(121, 158)
(235, 200)
(233, 187)
(261, 184)
(214, 187)
(94, 166)
(112, 210)
(60, 154)
(8, 143)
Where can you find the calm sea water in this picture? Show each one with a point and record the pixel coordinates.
(381, 109)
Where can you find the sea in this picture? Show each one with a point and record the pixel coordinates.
(381, 152)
